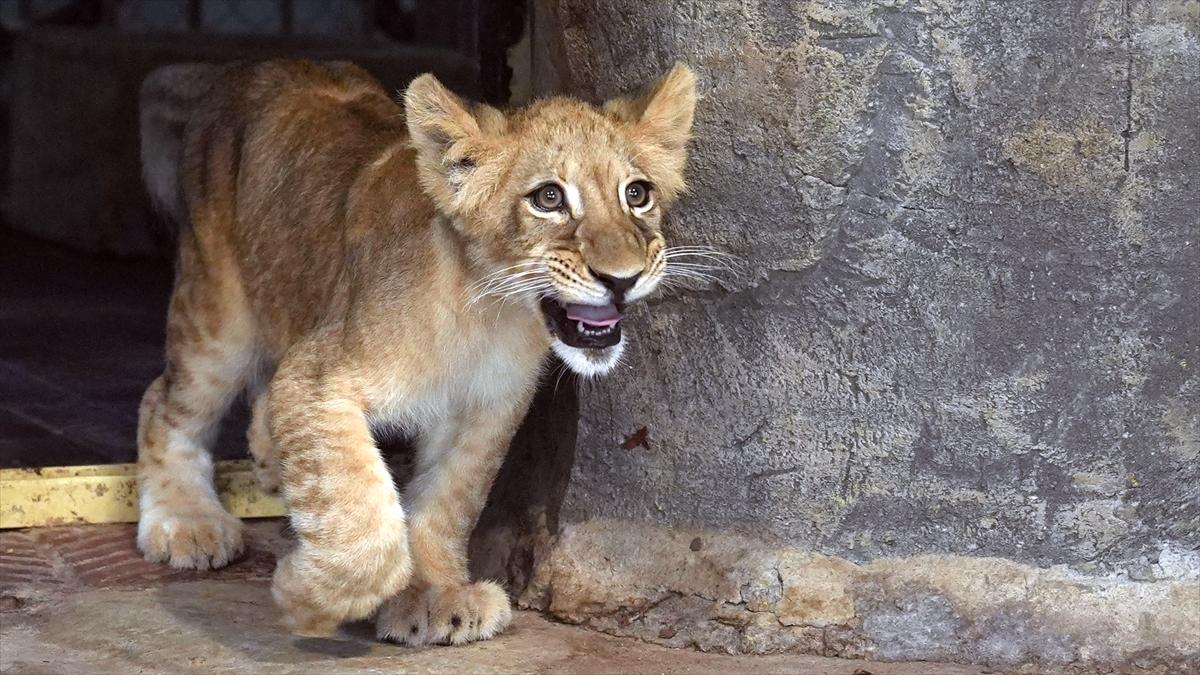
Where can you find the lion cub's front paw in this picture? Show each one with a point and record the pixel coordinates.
(445, 615)
(318, 589)
(207, 538)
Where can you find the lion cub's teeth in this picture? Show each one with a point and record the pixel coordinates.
(603, 330)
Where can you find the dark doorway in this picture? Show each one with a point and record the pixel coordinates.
(85, 263)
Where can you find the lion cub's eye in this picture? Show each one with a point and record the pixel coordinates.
(548, 197)
(637, 194)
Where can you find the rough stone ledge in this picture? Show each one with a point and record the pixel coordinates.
(722, 592)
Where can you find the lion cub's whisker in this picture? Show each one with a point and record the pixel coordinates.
(510, 285)
(497, 284)
(716, 258)
(505, 273)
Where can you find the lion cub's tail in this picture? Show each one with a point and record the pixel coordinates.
(169, 95)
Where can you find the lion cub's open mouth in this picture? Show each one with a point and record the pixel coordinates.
(583, 326)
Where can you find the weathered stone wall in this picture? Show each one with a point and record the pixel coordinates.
(968, 327)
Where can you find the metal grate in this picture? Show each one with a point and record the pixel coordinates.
(327, 18)
(152, 16)
(243, 17)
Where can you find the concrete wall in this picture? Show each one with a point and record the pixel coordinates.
(951, 406)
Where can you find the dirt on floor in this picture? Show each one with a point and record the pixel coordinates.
(81, 600)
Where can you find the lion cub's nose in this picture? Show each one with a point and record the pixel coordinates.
(618, 285)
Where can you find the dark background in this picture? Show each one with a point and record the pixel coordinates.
(85, 262)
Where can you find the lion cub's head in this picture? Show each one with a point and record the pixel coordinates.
(561, 202)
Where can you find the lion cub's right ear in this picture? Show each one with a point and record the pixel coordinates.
(451, 138)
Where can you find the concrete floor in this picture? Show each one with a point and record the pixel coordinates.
(229, 626)
(80, 600)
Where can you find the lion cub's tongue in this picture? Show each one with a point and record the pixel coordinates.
(593, 315)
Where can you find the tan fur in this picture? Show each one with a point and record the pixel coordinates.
(346, 263)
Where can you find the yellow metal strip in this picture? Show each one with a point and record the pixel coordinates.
(108, 494)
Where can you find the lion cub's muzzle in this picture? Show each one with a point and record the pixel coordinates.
(583, 326)
(590, 326)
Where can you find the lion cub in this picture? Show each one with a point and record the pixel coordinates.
(352, 265)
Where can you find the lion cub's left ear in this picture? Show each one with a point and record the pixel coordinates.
(451, 138)
(660, 122)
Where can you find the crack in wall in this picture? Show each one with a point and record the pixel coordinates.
(1127, 133)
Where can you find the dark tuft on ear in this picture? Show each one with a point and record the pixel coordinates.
(449, 136)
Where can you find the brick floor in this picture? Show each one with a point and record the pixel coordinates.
(24, 561)
(105, 556)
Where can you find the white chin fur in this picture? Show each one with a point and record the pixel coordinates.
(589, 362)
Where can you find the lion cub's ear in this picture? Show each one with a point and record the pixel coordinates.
(451, 138)
(660, 122)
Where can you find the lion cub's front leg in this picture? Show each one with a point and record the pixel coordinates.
(455, 468)
(352, 551)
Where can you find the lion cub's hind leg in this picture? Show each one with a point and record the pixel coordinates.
(210, 346)
(262, 450)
